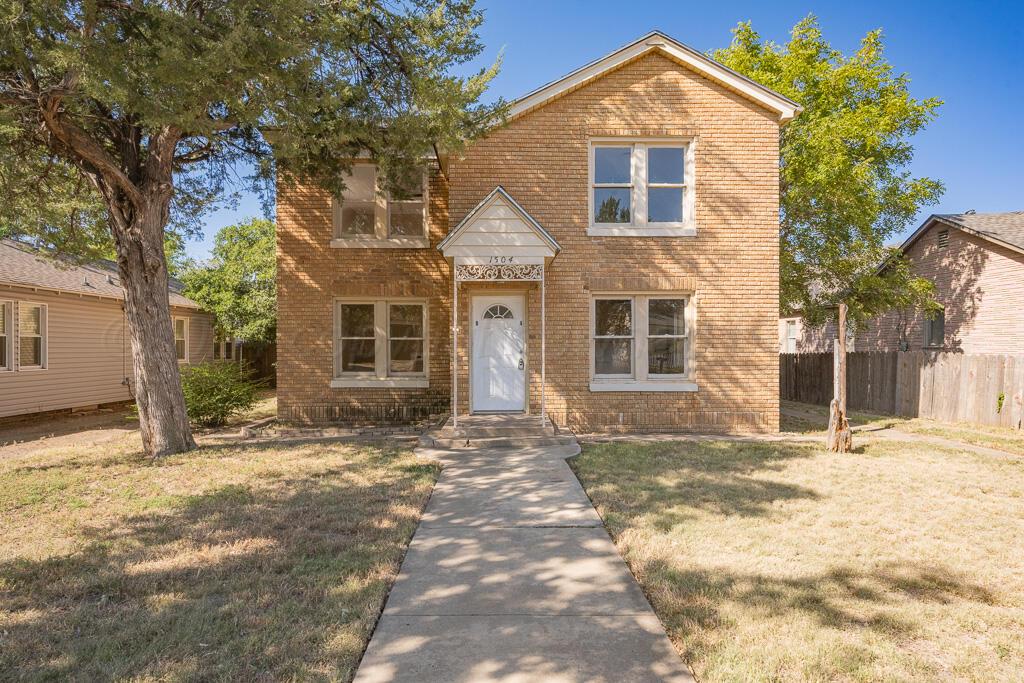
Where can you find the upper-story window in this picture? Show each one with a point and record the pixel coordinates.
(367, 216)
(641, 188)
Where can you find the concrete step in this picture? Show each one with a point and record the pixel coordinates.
(525, 441)
(484, 432)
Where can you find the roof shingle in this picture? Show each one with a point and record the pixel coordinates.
(23, 266)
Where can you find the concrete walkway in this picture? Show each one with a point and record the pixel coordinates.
(512, 577)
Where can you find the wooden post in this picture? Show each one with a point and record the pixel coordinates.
(840, 438)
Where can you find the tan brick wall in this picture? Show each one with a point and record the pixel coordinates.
(981, 285)
(311, 274)
(541, 159)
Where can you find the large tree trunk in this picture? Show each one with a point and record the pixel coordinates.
(143, 269)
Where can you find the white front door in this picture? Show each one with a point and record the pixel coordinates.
(499, 353)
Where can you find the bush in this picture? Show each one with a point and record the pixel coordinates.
(215, 391)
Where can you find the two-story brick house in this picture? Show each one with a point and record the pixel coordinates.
(610, 253)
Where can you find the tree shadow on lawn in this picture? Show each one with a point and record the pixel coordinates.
(668, 482)
(653, 488)
(280, 580)
(693, 603)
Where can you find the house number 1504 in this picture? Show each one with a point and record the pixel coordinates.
(502, 260)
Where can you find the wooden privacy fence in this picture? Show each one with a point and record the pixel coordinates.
(952, 387)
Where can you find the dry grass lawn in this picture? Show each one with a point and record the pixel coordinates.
(235, 563)
(805, 417)
(780, 562)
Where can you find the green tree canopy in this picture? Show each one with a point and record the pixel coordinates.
(153, 106)
(239, 283)
(845, 188)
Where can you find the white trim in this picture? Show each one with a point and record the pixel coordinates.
(174, 331)
(382, 238)
(639, 378)
(656, 41)
(649, 385)
(381, 376)
(7, 314)
(639, 185)
(376, 383)
(44, 336)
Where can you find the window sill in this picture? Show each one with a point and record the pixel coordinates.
(375, 243)
(377, 383)
(649, 385)
(640, 231)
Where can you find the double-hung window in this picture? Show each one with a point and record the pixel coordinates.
(642, 342)
(366, 216)
(791, 336)
(6, 334)
(641, 188)
(31, 336)
(380, 343)
(181, 339)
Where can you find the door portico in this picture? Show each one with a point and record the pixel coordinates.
(498, 241)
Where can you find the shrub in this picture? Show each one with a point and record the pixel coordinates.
(215, 391)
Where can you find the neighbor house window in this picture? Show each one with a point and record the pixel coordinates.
(791, 336)
(5, 336)
(31, 336)
(366, 215)
(935, 329)
(642, 342)
(181, 339)
(380, 342)
(224, 349)
(641, 188)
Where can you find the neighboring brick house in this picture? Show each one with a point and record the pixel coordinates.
(976, 261)
(63, 342)
(614, 246)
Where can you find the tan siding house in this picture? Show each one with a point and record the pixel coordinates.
(610, 254)
(62, 340)
(976, 261)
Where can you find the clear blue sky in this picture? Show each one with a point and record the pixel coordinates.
(969, 54)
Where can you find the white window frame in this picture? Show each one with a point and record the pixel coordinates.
(639, 227)
(382, 239)
(174, 331)
(640, 379)
(7, 313)
(792, 335)
(381, 377)
(44, 334)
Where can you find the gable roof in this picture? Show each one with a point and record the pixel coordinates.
(480, 213)
(656, 41)
(1005, 229)
(23, 266)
